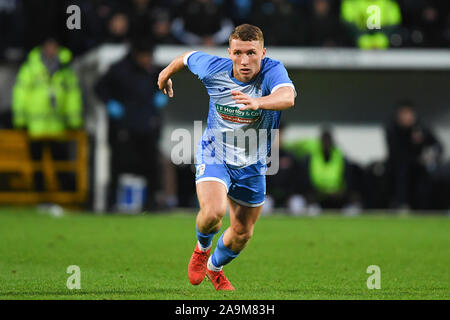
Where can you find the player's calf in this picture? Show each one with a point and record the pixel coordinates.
(238, 238)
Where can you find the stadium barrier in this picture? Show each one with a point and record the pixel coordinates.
(15, 157)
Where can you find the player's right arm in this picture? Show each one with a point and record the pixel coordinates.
(199, 63)
(164, 78)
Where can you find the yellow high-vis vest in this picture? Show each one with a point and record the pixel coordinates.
(46, 104)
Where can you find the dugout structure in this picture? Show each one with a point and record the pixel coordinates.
(17, 163)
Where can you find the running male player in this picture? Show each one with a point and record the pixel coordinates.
(247, 92)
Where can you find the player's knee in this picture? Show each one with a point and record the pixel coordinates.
(212, 216)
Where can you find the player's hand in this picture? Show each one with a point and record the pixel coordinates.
(165, 85)
(248, 102)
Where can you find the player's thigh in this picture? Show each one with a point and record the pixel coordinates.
(212, 198)
(212, 182)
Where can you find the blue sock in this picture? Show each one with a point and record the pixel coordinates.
(222, 255)
(205, 239)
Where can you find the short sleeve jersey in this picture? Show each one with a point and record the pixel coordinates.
(226, 121)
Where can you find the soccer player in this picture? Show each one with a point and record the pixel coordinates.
(247, 92)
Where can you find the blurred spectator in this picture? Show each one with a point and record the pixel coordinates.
(150, 19)
(46, 96)
(201, 22)
(330, 177)
(118, 28)
(282, 22)
(428, 22)
(47, 101)
(133, 101)
(324, 28)
(414, 152)
(421, 23)
(354, 13)
(94, 15)
(12, 26)
(239, 10)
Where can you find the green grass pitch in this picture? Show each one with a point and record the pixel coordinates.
(146, 256)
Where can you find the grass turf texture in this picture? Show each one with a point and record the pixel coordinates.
(145, 257)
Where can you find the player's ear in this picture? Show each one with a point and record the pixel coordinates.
(229, 52)
(264, 53)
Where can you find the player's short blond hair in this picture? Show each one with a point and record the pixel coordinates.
(247, 32)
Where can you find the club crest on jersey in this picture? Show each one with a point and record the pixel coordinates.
(233, 114)
(200, 170)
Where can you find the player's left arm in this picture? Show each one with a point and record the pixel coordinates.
(281, 99)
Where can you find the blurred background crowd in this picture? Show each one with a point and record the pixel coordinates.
(318, 23)
(48, 99)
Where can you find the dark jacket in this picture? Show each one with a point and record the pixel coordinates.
(401, 146)
(134, 88)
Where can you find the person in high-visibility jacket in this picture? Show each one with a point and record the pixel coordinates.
(46, 97)
(326, 164)
(361, 15)
(329, 174)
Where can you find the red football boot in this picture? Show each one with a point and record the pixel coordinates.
(219, 280)
(197, 265)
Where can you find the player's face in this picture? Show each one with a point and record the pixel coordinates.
(246, 57)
